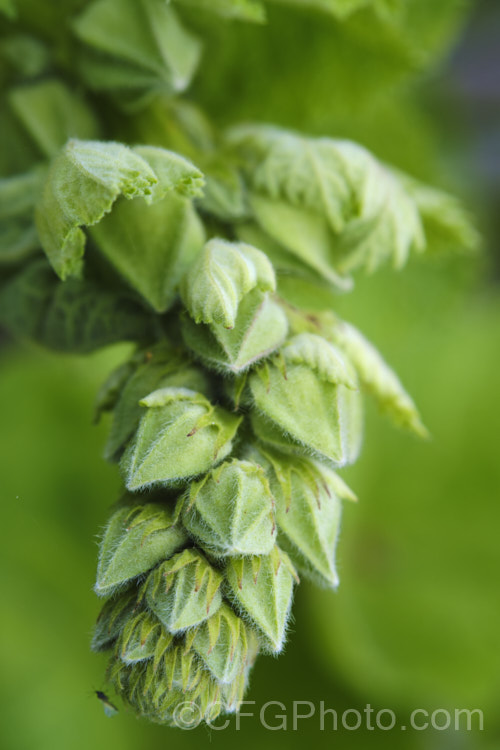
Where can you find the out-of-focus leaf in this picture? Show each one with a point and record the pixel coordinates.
(245, 10)
(327, 199)
(344, 8)
(25, 54)
(78, 316)
(18, 195)
(144, 35)
(8, 8)
(51, 114)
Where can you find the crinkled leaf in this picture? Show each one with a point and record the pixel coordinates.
(151, 246)
(222, 276)
(262, 588)
(356, 210)
(447, 224)
(77, 316)
(184, 591)
(143, 34)
(230, 510)
(135, 540)
(173, 171)
(51, 114)
(377, 377)
(84, 181)
(181, 435)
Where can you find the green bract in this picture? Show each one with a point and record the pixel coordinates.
(230, 511)
(227, 295)
(181, 435)
(134, 541)
(307, 393)
(219, 255)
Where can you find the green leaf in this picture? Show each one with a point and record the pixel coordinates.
(262, 588)
(18, 195)
(447, 225)
(244, 10)
(25, 53)
(184, 591)
(83, 183)
(8, 8)
(161, 367)
(146, 36)
(78, 316)
(344, 8)
(135, 540)
(305, 397)
(181, 435)
(151, 246)
(52, 114)
(377, 377)
(329, 202)
(222, 276)
(173, 171)
(230, 510)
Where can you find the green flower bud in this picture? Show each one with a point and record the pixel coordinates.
(112, 618)
(262, 588)
(184, 591)
(223, 274)
(230, 510)
(135, 540)
(181, 435)
(307, 393)
(225, 644)
(260, 328)
(139, 638)
(159, 367)
(308, 508)
(158, 691)
(233, 321)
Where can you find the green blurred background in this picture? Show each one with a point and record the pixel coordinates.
(416, 620)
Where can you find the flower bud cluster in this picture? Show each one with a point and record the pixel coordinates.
(228, 434)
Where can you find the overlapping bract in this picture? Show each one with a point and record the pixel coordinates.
(201, 573)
